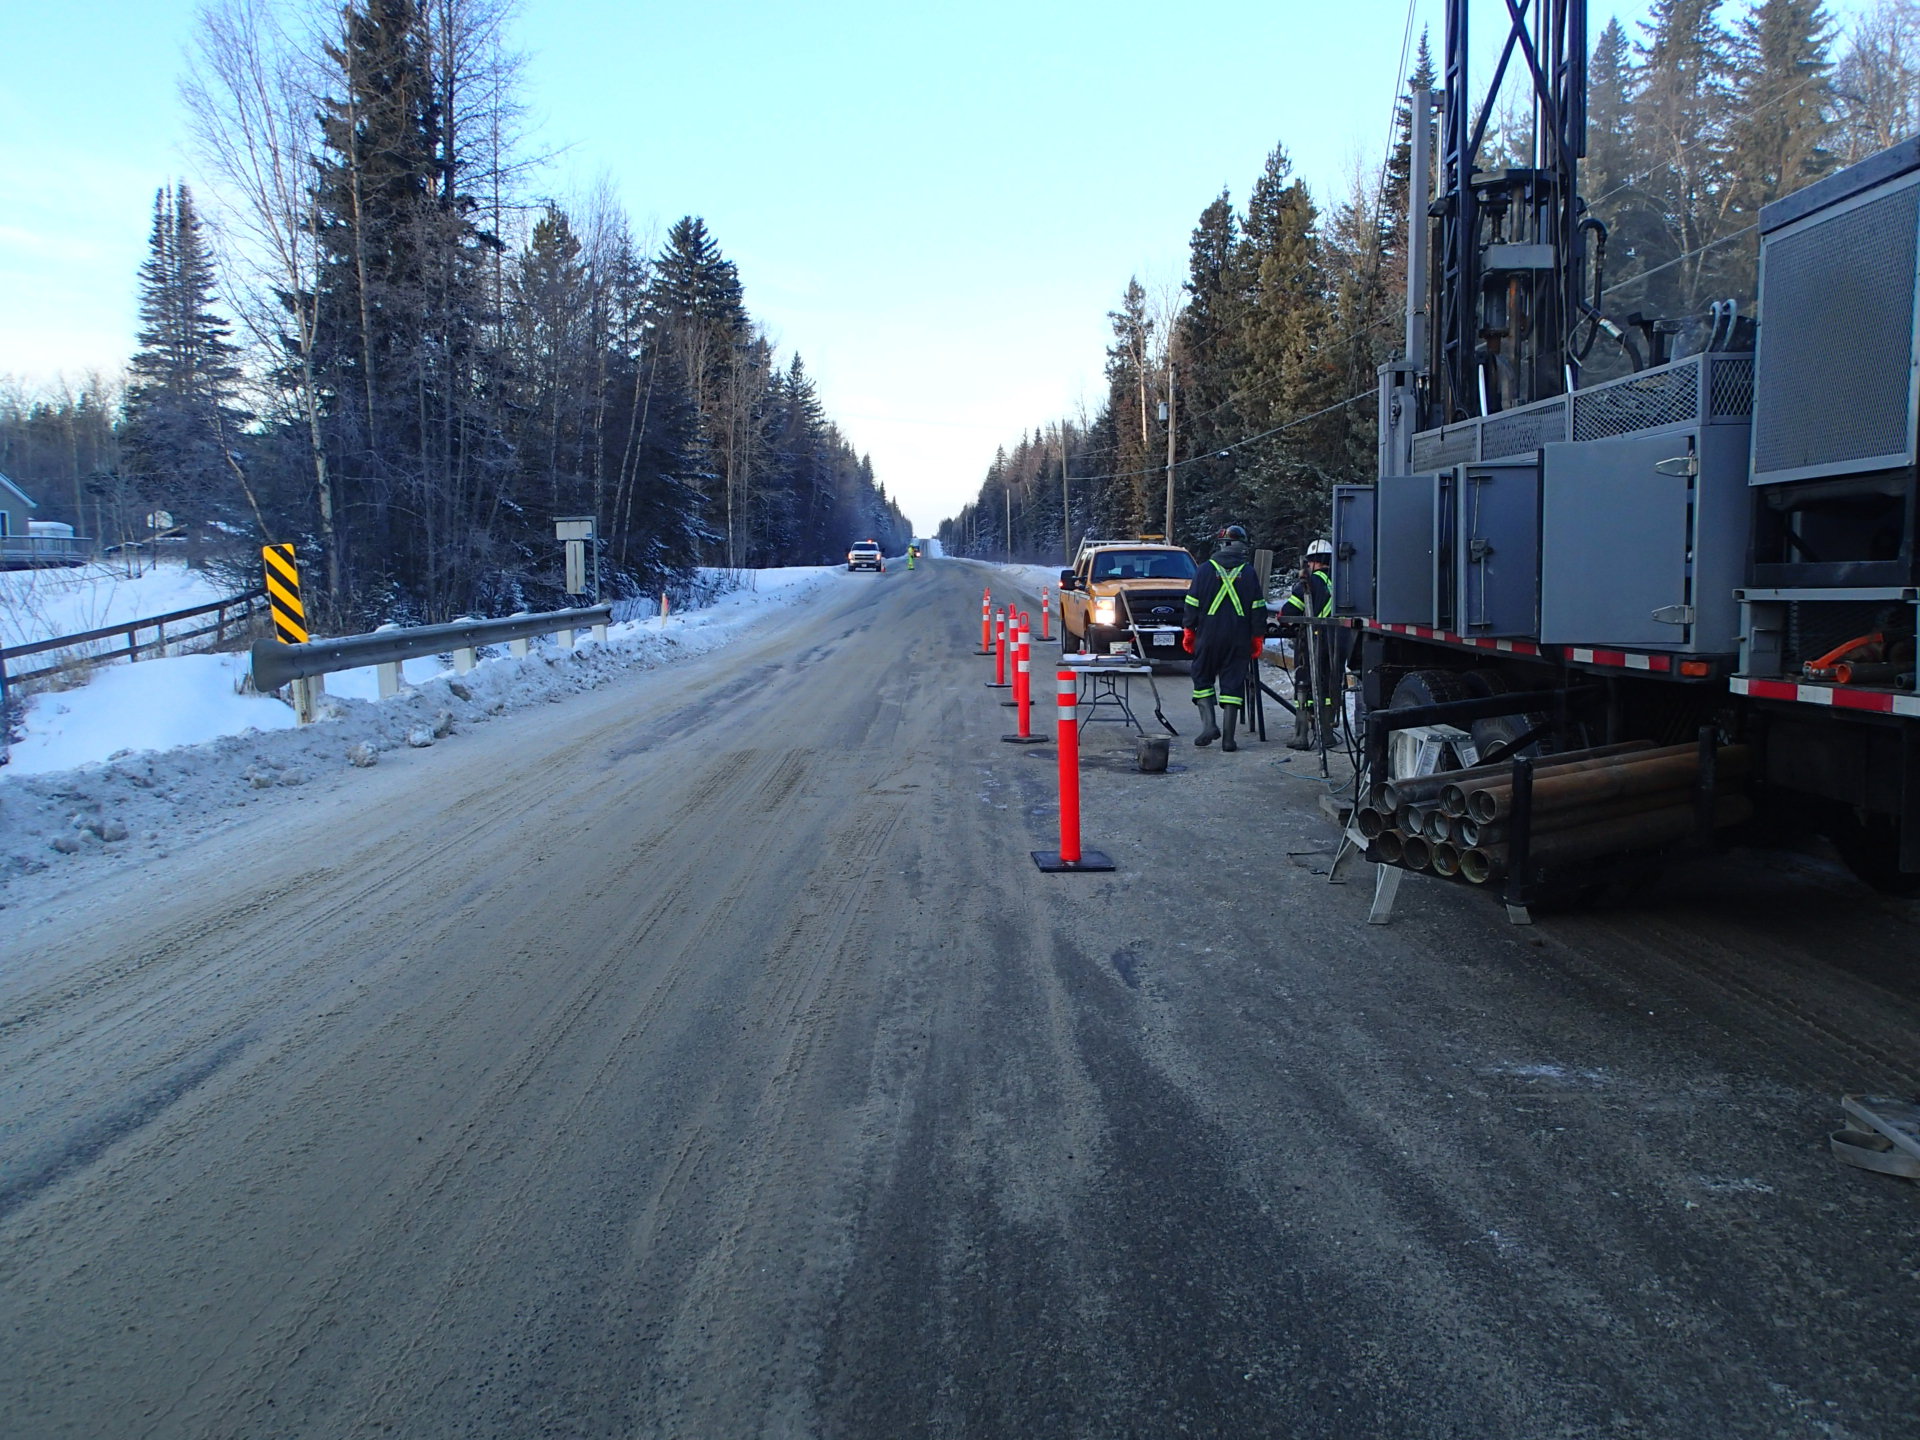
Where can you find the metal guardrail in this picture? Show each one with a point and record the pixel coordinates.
(276, 664)
(226, 612)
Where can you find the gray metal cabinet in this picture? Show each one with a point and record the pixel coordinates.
(1414, 558)
(1497, 550)
(1615, 519)
(1353, 549)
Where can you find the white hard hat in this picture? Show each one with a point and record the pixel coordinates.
(1320, 547)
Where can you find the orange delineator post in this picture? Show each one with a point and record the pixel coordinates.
(1069, 856)
(999, 652)
(986, 623)
(1068, 703)
(1022, 676)
(1046, 616)
(1023, 687)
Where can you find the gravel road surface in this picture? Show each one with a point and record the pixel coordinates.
(704, 1056)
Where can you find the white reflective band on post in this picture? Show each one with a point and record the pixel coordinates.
(1069, 695)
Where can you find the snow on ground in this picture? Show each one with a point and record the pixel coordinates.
(40, 604)
(150, 751)
(155, 705)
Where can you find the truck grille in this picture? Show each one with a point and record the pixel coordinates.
(1156, 609)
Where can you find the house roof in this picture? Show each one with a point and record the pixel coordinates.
(18, 491)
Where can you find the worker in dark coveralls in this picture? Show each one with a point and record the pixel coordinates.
(1226, 624)
(1326, 647)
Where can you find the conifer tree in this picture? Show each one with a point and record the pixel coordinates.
(1778, 139)
(1681, 108)
(182, 431)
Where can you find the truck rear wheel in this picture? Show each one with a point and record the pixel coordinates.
(1427, 687)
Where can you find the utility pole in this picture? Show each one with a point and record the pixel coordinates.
(1168, 537)
(1009, 521)
(1066, 519)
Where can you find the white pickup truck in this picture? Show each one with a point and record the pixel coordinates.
(865, 555)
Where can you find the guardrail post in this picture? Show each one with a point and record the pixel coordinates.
(600, 633)
(1069, 857)
(464, 659)
(564, 638)
(392, 681)
(306, 698)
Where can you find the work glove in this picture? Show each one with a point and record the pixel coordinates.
(1186, 641)
(1259, 644)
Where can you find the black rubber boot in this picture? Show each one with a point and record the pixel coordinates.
(1228, 722)
(1209, 731)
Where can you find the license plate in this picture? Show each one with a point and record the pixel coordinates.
(1166, 637)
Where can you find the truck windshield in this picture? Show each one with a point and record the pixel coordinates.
(1142, 565)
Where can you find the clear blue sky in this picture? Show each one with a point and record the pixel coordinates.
(935, 205)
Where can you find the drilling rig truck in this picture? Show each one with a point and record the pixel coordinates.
(1719, 544)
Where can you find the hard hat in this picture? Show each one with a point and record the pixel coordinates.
(1320, 547)
(1233, 532)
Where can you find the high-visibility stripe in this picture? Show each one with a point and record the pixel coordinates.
(1226, 590)
(283, 593)
(1203, 694)
(1231, 700)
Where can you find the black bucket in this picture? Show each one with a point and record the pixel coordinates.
(1151, 754)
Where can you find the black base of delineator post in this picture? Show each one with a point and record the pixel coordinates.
(1009, 704)
(1024, 739)
(1000, 685)
(983, 652)
(1050, 862)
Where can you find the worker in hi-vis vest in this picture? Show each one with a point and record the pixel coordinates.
(1226, 624)
(1321, 646)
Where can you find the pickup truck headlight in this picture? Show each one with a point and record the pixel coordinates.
(1106, 612)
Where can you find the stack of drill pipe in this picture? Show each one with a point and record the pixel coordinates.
(1632, 802)
(1425, 789)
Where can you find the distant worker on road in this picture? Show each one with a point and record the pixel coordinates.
(913, 554)
(1225, 628)
(1321, 647)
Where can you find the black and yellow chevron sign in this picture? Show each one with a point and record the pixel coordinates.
(283, 591)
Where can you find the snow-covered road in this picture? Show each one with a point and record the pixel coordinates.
(703, 1055)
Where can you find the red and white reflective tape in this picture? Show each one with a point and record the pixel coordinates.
(1838, 697)
(1427, 632)
(1579, 655)
(1069, 696)
(1619, 659)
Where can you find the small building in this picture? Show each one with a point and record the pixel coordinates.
(16, 509)
(26, 542)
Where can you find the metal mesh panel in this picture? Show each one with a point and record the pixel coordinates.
(1815, 627)
(1437, 449)
(1730, 388)
(1519, 432)
(1837, 344)
(1670, 396)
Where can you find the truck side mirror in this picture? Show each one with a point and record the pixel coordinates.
(1066, 580)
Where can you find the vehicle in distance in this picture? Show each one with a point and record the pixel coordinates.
(865, 555)
(1117, 583)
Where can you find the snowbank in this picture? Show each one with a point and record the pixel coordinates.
(38, 605)
(156, 705)
(151, 749)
